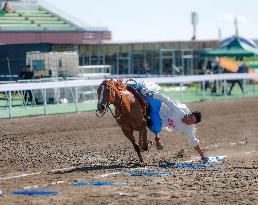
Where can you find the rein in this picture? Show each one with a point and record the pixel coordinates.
(113, 113)
(106, 110)
(121, 101)
(100, 115)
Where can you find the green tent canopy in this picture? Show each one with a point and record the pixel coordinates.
(236, 48)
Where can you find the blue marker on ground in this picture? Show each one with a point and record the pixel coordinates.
(35, 192)
(149, 173)
(98, 183)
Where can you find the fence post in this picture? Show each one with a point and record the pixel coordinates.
(10, 104)
(76, 99)
(181, 89)
(225, 89)
(244, 86)
(45, 101)
(254, 90)
(203, 89)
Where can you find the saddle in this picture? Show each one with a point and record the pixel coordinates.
(144, 104)
(136, 94)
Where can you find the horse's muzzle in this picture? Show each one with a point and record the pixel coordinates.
(101, 108)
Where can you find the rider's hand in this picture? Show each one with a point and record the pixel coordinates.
(151, 93)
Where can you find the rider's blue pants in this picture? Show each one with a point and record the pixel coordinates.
(154, 111)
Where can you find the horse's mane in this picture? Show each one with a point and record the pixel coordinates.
(118, 84)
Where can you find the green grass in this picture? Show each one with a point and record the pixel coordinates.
(194, 94)
(21, 111)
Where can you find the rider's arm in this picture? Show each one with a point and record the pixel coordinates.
(162, 98)
(190, 131)
(193, 140)
(200, 152)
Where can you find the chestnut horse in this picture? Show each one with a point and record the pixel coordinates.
(128, 112)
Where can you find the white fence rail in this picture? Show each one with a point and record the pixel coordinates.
(8, 88)
(95, 82)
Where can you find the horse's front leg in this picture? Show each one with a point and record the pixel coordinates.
(129, 135)
(143, 142)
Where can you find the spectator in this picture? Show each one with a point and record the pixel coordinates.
(27, 74)
(145, 69)
(207, 83)
(5, 6)
(242, 69)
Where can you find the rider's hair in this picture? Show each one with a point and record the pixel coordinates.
(198, 116)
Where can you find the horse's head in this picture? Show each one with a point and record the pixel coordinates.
(105, 95)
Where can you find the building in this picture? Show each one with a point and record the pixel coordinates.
(32, 25)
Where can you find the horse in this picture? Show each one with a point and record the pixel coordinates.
(129, 113)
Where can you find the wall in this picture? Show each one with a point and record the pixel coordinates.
(16, 54)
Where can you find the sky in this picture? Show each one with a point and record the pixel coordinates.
(165, 20)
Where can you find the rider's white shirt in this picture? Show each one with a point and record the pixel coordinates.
(172, 113)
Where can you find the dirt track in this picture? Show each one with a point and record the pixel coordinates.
(96, 146)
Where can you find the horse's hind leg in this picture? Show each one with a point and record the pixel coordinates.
(129, 135)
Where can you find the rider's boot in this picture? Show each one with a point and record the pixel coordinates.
(159, 143)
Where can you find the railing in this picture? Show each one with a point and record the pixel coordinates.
(181, 80)
(32, 4)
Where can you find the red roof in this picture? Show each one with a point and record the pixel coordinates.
(52, 37)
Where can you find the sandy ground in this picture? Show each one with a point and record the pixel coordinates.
(90, 147)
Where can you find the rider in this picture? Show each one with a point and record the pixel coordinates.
(165, 112)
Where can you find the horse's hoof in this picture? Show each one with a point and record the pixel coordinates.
(139, 164)
(150, 143)
(141, 161)
(144, 148)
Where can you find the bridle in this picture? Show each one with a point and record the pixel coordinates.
(106, 110)
(109, 85)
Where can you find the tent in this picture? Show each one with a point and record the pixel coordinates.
(229, 64)
(235, 48)
(228, 40)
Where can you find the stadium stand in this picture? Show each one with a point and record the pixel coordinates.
(35, 25)
(38, 20)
